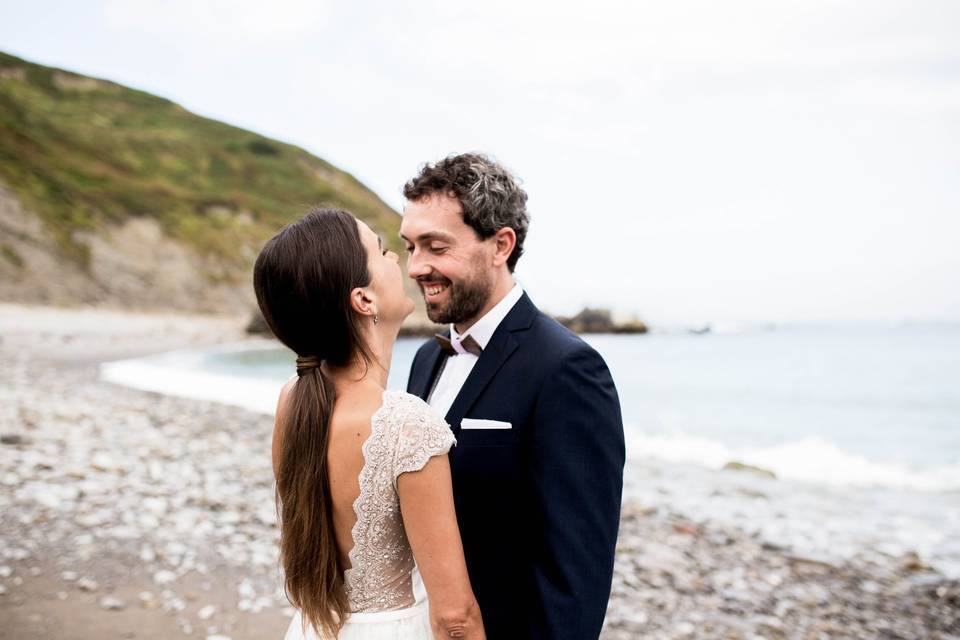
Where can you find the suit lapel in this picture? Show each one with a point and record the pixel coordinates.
(501, 346)
(422, 379)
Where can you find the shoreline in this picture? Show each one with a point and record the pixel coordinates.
(132, 514)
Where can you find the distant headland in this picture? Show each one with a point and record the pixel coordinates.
(587, 321)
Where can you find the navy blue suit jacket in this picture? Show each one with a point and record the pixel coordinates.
(538, 504)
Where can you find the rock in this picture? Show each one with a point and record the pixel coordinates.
(87, 584)
(111, 603)
(925, 579)
(164, 577)
(245, 589)
(769, 625)
(911, 561)
(684, 629)
(13, 438)
(206, 612)
(174, 604)
(734, 465)
(600, 321)
(147, 600)
(5, 571)
(686, 528)
(811, 595)
(103, 462)
(869, 586)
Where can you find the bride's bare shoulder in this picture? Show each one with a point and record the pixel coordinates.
(285, 395)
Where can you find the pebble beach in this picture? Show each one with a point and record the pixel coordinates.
(130, 514)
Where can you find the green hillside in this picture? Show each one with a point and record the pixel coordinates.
(83, 153)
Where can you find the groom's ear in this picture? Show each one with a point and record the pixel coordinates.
(504, 241)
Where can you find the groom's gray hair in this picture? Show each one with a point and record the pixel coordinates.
(490, 196)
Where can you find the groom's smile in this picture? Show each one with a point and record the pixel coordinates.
(433, 293)
(434, 287)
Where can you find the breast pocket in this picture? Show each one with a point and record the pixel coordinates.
(482, 432)
(488, 456)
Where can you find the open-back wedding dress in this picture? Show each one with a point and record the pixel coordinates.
(383, 583)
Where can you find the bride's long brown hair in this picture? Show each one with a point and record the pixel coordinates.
(303, 278)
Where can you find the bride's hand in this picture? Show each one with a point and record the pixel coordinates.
(466, 623)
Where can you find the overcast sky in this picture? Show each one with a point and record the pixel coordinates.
(687, 161)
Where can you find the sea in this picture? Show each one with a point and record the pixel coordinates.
(859, 424)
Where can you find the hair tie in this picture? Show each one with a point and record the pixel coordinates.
(307, 363)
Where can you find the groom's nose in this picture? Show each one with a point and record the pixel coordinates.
(416, 265)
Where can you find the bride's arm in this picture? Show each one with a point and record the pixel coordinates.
(426, 503)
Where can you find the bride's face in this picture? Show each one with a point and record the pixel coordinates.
(386, 277)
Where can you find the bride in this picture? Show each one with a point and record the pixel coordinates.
(368, 534)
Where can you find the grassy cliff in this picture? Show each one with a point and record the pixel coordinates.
(89, 158)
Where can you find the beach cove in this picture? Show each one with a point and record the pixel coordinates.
(129, 513)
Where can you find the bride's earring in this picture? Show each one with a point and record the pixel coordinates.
(376, 319)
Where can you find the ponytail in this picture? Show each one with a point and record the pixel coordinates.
(308, 550)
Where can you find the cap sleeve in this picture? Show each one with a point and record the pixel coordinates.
(422, 435)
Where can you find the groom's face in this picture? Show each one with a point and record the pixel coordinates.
(450, 263)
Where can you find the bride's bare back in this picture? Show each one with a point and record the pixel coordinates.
(350, 427)
(404, 504)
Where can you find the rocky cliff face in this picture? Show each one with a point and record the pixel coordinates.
(132, 265)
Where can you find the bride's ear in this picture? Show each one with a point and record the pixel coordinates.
(362, 302)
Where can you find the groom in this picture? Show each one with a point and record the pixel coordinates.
(538, 465)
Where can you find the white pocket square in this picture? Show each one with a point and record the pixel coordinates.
(476, 423)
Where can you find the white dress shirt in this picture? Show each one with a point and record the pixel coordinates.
(458, 367)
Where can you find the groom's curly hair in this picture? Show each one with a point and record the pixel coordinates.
(490, 196)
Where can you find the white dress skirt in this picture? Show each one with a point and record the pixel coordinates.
(412, 623)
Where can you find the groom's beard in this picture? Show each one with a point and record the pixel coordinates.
(464, 301)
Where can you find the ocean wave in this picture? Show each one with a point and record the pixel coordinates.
(177, 374)
(808, 459)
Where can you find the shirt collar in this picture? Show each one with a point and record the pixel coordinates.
(482, 330)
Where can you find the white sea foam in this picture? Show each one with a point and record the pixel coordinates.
(806, 459)
(178, 373)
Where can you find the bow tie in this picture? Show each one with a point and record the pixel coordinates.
(468, 345)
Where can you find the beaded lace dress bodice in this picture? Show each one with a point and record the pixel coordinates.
(405, 432)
